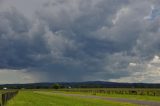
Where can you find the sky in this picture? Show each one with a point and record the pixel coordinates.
(79, 40)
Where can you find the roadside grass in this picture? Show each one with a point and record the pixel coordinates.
(30, 98)
(133, 97)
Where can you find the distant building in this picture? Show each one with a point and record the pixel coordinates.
(5, 88)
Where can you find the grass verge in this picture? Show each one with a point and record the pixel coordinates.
(29, 98)
(133, 97)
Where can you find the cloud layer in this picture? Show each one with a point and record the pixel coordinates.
(68, 40)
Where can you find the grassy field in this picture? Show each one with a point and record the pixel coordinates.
(50, 97)
(138, 94)
(135, 97)
(31, 98)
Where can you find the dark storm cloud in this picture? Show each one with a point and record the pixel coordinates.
(80, 40)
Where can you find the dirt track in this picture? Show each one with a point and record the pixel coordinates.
(139, 102)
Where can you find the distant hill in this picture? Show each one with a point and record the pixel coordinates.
(89, 84)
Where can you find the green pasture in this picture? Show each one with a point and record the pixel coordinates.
(31, 98)
(128, 96)
(135, 97)
(117, 93)
(51, 97)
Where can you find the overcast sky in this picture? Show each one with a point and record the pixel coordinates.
(79, 40)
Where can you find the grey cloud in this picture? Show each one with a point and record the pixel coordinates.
(80, 40)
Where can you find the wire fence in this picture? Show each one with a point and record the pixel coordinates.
(147, 92)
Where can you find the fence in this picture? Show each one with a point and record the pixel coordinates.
(148, 92)
(7, 96)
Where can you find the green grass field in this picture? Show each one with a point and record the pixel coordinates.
(142, 93)
(31, 98)
(135, 97)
